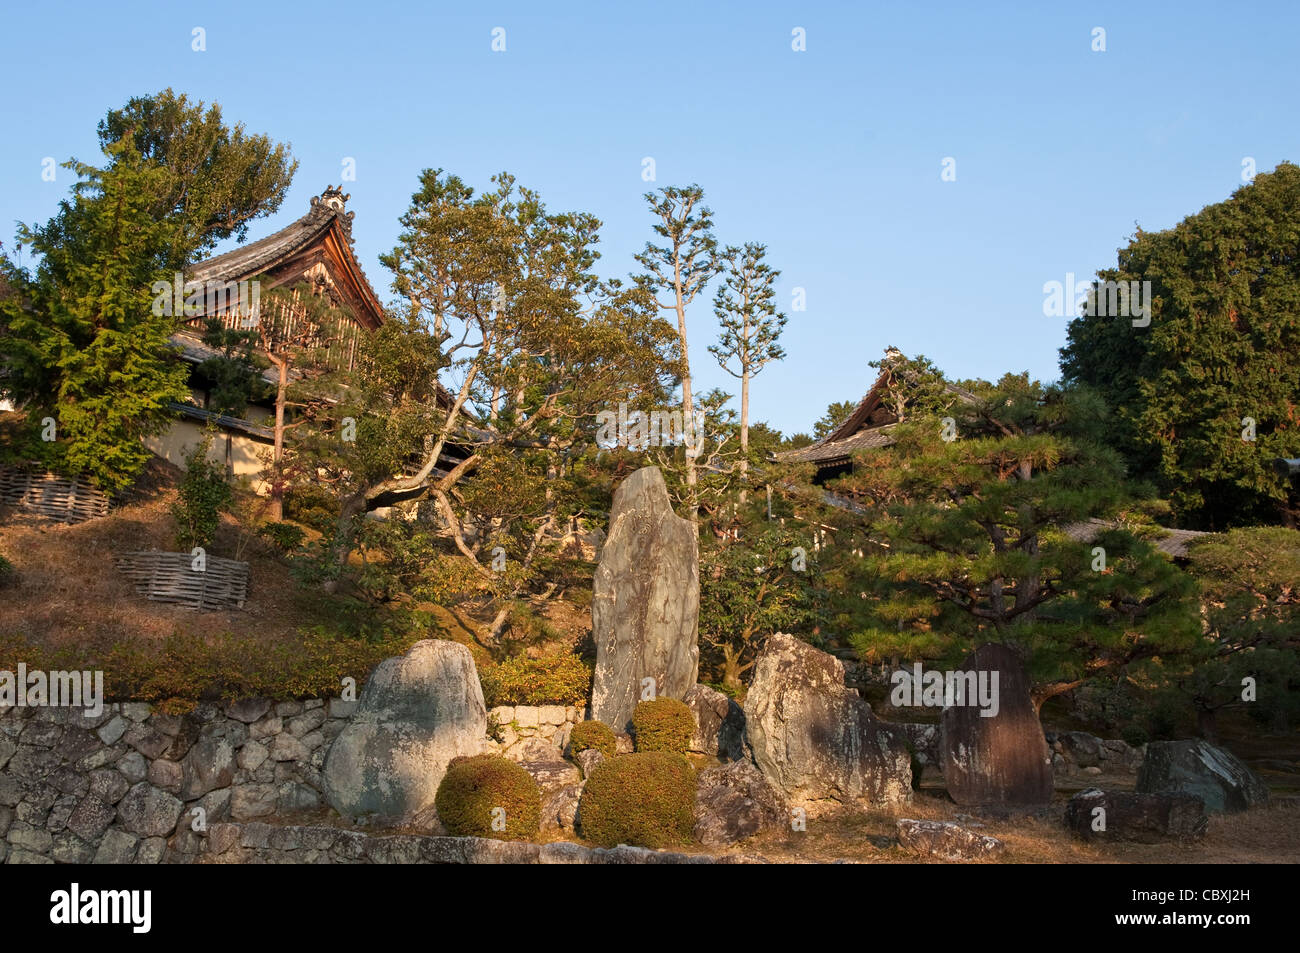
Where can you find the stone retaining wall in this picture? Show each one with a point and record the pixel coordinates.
(123, 787)
(531, 732)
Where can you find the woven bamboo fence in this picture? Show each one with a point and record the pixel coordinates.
(69, 500)
(171, 577)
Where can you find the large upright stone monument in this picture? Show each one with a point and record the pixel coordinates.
(645, 614)
(1000, 760)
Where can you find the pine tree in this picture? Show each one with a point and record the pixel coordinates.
(683, 267)
(966, 524)
(745, 305)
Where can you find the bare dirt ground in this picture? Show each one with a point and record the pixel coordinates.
(1269, 835)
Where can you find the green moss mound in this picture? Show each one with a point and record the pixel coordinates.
(664, 724)
(647, 800)
(593, 734)
(476, 792)
(556, 680)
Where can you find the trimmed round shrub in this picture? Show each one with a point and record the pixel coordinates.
(476, 792)
(556, 680)
(664, 724)
(647, 800)
(593, 734)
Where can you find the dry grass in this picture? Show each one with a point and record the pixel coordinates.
(68, 589)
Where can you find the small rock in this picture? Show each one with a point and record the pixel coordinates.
(285, 747)
(147, 740)
(26, 837)
(107, 785)
(1145, 818)
(151, 851)
(947, 841)
(149, 812)
(266, 728)
(112, 730)
(136, 711)
(117, 847)
(252, 755)
(133, 767)
(551, 776)
(560, 808)
(71, 849)
(294, 796)
(252, 800)
(588, 760)
(165, 775)
(91, 818)
(209, 765)
(248, 710)
(551, 714)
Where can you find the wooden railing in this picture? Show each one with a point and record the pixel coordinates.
(333, 344)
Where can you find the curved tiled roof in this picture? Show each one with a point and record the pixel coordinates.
(854, 433)
(826, 451)
(325, 215)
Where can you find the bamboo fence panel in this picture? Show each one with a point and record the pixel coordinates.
(170, 577)
(68, 500)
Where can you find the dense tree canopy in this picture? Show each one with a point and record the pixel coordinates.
(1207, 394)
(85, 344)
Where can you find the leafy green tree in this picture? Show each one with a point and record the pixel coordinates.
(750, 324)
(1217, 359)
(751, 585)
(85, 347)
(86, 344)
(201, 498)
(913, 386)
(213, 179)
(502, 296)
(1250, 581)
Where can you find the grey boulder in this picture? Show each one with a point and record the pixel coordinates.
(1095, 815)
(814, 739)
(733, 802)
(1222, 782)
(416, 713)
(719, 724)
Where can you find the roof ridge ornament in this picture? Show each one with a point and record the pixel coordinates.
(333, 200)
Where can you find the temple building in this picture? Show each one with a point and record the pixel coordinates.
(315, 254)
(868, 427)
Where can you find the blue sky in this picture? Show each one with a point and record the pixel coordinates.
(831, 156)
